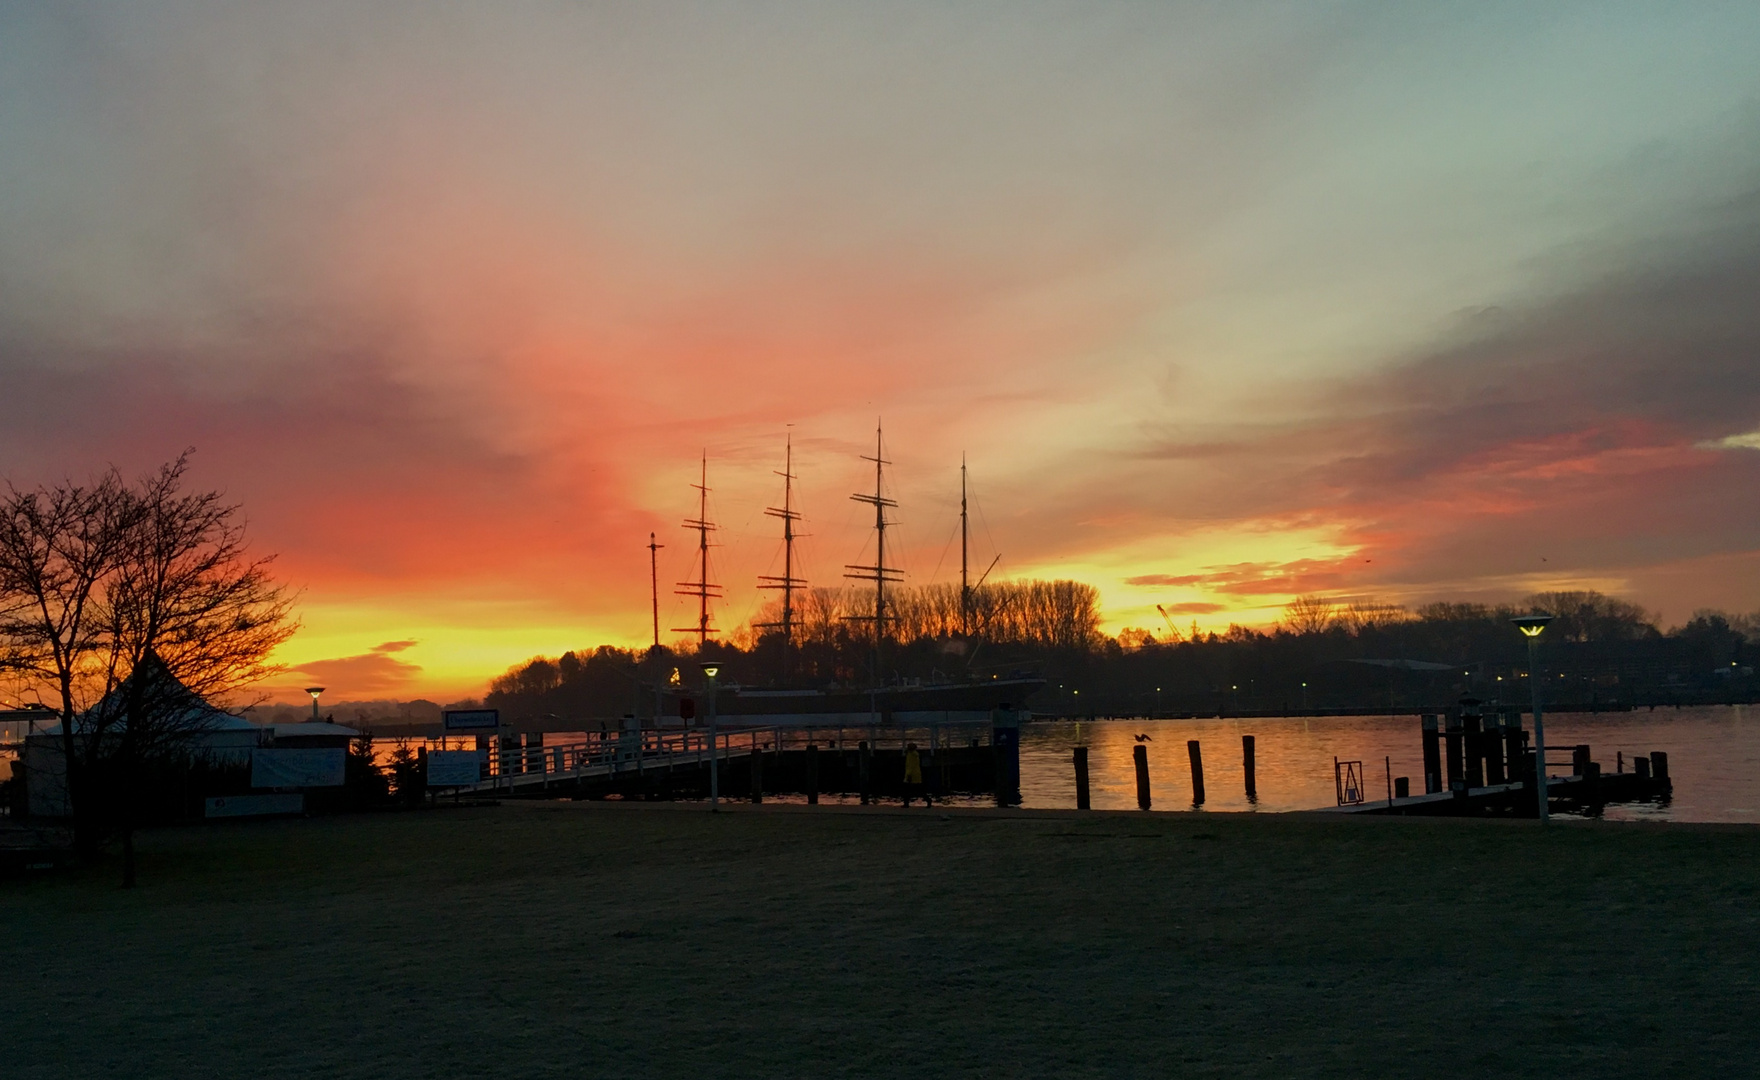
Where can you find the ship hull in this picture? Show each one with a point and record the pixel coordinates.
(910, 706)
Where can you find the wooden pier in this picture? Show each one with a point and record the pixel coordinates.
(753, 763)
(1478, 762)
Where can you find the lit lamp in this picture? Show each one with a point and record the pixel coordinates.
(1531, 626)
(711, 669)
(314, 691)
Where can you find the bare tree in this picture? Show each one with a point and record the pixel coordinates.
(1370, 614)
(1310, 615)
(1591, 616)
(148, 616)
(190, 619)
(58, 546)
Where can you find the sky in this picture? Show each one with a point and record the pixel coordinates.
(1222, 303)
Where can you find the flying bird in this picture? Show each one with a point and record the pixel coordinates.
(1142, 738)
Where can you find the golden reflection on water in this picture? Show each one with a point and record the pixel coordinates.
(1714, 759)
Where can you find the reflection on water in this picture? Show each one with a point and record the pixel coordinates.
(1713, 758)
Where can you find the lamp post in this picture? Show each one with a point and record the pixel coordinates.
(314, 691)
(710, 670)
(1531, 626)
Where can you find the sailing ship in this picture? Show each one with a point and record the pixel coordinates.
(908, 702)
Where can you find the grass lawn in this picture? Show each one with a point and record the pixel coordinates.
(629, 941)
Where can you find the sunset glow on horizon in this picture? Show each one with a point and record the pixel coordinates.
(1223, 306)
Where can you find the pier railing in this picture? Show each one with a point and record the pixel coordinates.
(606, 753)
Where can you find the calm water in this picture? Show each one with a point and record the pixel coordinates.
(1713, 757)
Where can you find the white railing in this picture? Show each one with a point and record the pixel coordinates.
(615, 752)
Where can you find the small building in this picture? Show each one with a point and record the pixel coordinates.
(292, 754)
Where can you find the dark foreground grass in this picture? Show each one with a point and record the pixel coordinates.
(579, 940)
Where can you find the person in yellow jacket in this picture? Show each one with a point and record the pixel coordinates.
(913, 775)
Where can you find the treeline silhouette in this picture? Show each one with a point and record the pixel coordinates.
(1599, 652)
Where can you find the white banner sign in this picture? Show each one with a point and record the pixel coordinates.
(323, 767)
(453, 768)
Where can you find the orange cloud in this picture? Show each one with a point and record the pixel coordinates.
(377, 671)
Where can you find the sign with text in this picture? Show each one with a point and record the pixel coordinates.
(472, 719)
(279, 768)
(454, 768)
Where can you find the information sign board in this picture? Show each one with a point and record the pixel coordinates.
(472, 719)
(453, 768)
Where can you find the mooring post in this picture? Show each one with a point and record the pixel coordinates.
(1514, 745)
(1081, 762)
(865, 771)
(1005, 747)
(1249, 766)
(1473, 742)
(757, 774)
(812, 774)
(1402, 787)
(1659, 767)
(1451, 739)
(1493, 744)
(932, 785)
(1641, 766)
(1140, 754)
(1197, 772)
(1432, 755)
(1592, 784)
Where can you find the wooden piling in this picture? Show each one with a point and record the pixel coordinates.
(865, 771)
(1641, 766)
(1402, 787)
(1081, 763)
(1514, 745)
(1493, 745)
(1432, 755)
(756, 772)
(1005, 750)
(1250, 767)
(1197, 757)
(1659, 766)
(1473, 745)
(812, 774)
(1451, 739)
(1140, 755)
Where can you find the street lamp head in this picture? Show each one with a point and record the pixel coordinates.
(711, 668)
(1531, 625)
(314, 691)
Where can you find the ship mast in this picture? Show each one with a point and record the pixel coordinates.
(654, 583)
(788, 583)
(965, 589)
(879, 573)
(702, 588)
